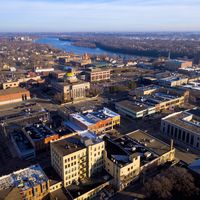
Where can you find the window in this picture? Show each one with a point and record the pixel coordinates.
(183, 135)
(192, 140)
(187, 138)
(179, 134)
(168, 128)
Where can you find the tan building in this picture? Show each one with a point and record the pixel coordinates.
(97, 74)
(86, 60)
(159, 100)
(58, 74)
(30, 183)
(172, 98)
(13, 95)
(77, 158)
(10, 84)
(16, 83)
(143, 91)
(71, 91)
(133, 109)
(173, 81)
(134, 154)
(177, 64)
(183, 128)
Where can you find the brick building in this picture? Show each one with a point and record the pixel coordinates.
(98, 74)
(13, 95)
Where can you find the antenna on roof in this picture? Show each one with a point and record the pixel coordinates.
(169, 55)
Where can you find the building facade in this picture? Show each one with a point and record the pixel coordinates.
(176, 64)
(13, 95)
(98, 122)
(183, 128)
(157, 101)
(132, 155)
(71, 91)
(77, 158)
(30, 183)
(94, 75)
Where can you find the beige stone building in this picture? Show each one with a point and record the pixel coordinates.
(77, 158)
(176, 64)
(70, 88)
(173, 81)
(98, 74)
(134, 154)
(16, 83)
(71, 91)
(143, 91)
(183, 128)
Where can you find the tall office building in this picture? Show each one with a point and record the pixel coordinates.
(77, 157)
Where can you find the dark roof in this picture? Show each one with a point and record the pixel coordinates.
(12, 193)
(68, 145)
(60, 194)
(52, 175)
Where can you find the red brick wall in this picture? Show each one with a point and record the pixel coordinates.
(10, 97)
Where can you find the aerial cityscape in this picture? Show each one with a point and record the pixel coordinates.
(100, 100)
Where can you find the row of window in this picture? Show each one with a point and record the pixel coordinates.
(69, 170)
(180, 134)
(70, 159)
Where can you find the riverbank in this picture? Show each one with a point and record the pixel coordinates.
(123, 49)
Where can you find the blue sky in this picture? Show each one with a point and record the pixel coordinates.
(99, 15)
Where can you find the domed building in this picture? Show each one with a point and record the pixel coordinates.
(70, 76)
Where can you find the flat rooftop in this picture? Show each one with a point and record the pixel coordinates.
(12, 91)
(98, 70)
(172, 78)
(148, 101)
(23, 179)
(94, 117)
(132, 105)
(78, 82)
(22, 142)
(95, 181)
(153, 144)
(178, 61)
(38, 131)
(189, 120)
(135, 144)
(149, 87)
(159, 97)
(75, 143)
(22, 112)
(193, 85)
(61, 194)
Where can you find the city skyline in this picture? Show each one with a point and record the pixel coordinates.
(99, 15)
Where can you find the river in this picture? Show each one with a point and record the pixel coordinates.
(69, 47)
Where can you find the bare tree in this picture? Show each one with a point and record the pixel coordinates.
(173, 184)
